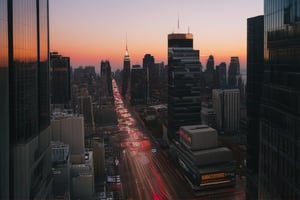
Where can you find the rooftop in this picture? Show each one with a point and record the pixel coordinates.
(180, 36)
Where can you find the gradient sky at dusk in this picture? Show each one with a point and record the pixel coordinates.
(93, 30)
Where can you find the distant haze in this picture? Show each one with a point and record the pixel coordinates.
(93, 30)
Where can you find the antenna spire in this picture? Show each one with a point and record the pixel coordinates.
(126, 43)
(126, 51)
(178, 22)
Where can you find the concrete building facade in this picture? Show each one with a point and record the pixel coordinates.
(227, 106)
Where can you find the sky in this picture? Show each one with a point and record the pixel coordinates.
(89, 31)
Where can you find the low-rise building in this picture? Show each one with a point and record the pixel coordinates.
(82, 178)
(60, 169)
(202, 161)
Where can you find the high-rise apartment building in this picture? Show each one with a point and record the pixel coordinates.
(231, 110)
(255, 67)
(184, 70)
(60, 79)
(233, 72)
(126, 73)
(25, 109)
(279, 161)
(69, 129)
(227, 106)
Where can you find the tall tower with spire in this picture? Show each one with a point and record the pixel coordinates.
(126, 72)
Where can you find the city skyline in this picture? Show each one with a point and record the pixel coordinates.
(91, 31)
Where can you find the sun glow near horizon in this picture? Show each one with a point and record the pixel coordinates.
(96, 30)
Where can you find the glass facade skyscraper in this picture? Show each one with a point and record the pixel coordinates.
(138, 85)
(209, 73)
(279, 162)
(105, 71)
(151, 76)
(43, 64)
(255, 68)
(23, 69)
(220, 74)
(24, 104)
(4, 108)
(60, 79)
(233, 72)
(184, 71)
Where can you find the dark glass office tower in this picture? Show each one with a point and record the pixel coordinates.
(279, 162)
(24, 110)
(255, 69)
(151, 76)
(126, 73)
(43, 64)
(220, 75)
(23, 68)
(138, 85)
(4, 105)
(210, 65)
(106, 76)
(233, 72)
(209, 73)
(184, 70)
(148, 61)
(60, 79)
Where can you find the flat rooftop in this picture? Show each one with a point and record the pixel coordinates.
(180, 36)
(192, 129)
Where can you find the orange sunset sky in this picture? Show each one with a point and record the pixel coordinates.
(93, 30)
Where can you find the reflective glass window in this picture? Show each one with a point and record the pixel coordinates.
(43, 71)
(3, 67)
(4, 99)
(25, 77)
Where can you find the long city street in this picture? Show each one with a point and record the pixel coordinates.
(145, 170)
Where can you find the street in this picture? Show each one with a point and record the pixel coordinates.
(145, 170)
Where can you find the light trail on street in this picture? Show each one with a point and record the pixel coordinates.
(146, 173)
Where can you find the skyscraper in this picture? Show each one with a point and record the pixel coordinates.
(227, 106)
(138, 85)
(4, 102)
(60, 79)
(209, 72)
(85, 107)
(231, 110)
(255, 67)
(26, 109)
(126, 73)
(220, 75)
(233, 72)
(184, 70)
(151, 75)
(279, 162)
(148, 61)
(106, 77)
(210, 65)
